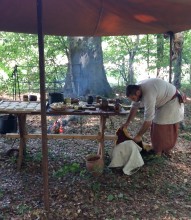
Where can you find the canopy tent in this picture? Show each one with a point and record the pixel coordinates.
(89, 18)
(97, 17)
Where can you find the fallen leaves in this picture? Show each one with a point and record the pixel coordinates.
(159, 190)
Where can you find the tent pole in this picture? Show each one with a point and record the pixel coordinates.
(43, 105)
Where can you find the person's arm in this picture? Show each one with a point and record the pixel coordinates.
(132, 113)
(143, 129)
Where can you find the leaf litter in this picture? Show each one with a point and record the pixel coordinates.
(161, 189)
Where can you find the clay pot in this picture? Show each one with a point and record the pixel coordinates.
(98, 99)
(104, 105)
(25, 98)
(95, 164)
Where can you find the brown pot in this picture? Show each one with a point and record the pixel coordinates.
(104, 105)
(95, 164)
(25, 98)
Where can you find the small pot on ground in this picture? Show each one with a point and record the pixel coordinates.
(95, 164)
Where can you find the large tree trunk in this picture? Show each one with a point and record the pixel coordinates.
(177, 71)
(177, 57)
(86, 74)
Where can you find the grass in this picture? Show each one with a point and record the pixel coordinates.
(186, 136)
(1, 193)
(73, 168)
(22, 209)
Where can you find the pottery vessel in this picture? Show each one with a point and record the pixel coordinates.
(104, 105)
(95, 164)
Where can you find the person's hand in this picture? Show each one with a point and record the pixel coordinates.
(137, 138)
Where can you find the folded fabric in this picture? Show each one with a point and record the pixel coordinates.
(123, 135)
(127, 155)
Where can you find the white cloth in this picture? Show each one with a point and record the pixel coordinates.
(127, 155)
(170, 113)
(156, 94)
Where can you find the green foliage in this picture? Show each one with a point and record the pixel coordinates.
(22, 209)
(186, 87)
(119, 89)
(126, 54)
(154, 159)
(123, 56)
(120, 196)
(36, 157)
(110, 197)
(96, 186)
(1, 193)
(187, 136)
(119, 54)
(74, 168)
(22, 50)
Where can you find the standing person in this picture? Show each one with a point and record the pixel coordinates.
(163, 110)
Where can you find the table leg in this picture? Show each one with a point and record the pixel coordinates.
(22, 145)
(102, 130)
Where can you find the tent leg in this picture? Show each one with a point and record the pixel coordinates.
(43, 105)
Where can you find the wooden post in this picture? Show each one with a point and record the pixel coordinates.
(22, 133)
(102, 130)
(43, 105)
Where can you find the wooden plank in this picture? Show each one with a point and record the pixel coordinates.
(110, 137)
(63, 136)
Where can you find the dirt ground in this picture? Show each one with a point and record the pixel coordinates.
(161, 189)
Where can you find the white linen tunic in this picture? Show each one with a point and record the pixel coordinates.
(158, 104)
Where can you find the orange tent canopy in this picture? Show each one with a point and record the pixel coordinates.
(96, 17)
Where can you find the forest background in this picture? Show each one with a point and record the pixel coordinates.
(79, 66)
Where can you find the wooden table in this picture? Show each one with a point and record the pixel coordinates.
(23, 135)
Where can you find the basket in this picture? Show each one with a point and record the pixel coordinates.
(60, 106)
